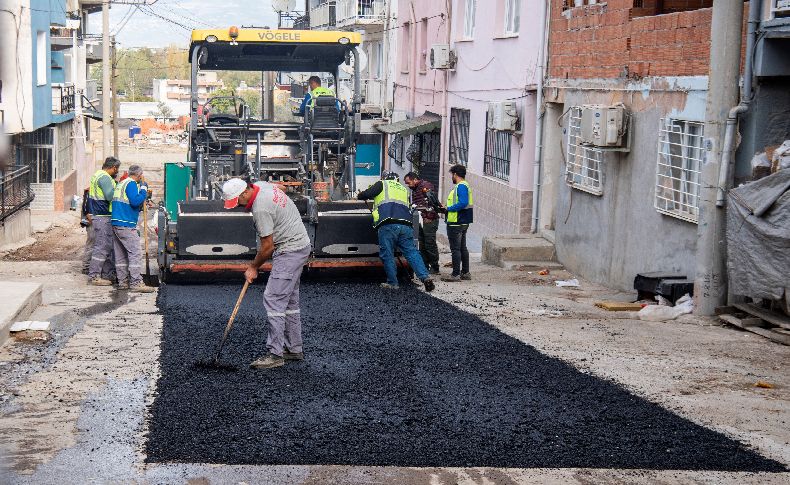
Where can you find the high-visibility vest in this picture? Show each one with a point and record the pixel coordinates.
(124, 212)
(463, 216)
(391, 204)
(97, 201)
(320, 91)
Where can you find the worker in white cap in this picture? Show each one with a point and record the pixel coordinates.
(284, 239)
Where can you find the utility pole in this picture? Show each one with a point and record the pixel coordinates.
(268, 96)
(105, 90)
(114, 101)
(710, 284)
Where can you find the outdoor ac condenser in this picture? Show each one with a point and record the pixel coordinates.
(603, 126)
(503, 115)
(442, 57)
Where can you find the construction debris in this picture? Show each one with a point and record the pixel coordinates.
(619, 306)
(572, 283)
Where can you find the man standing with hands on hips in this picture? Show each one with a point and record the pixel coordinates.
(284, 239)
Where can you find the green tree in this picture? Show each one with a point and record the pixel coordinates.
(163, 111)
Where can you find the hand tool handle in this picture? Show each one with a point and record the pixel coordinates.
(145, 236)
(232, 317)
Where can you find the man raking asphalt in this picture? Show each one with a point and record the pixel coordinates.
(284, 239)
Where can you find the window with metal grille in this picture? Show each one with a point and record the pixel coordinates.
(38, 148)
(583, 165)
(459, 136)
(496, 162)
(678, 169)
(395, 152)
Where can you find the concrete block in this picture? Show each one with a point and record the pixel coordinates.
(18, 302)
(517, 249)
(15, 230)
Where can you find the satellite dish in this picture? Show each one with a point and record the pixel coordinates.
(283, 5)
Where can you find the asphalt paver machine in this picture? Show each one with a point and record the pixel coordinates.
(312, 157)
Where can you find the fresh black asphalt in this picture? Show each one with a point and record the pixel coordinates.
(400, 378)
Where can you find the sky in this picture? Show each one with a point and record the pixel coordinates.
(168, 22)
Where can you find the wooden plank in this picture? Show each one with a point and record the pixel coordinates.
(764, 332)
(619, 306)
(768, 316)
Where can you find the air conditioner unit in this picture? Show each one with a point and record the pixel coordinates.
(503, 116)
(603, 126)
(442, 57)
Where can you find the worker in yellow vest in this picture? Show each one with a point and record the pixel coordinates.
(393, 221)
(460, 203)
(316, 90)
(101, 270)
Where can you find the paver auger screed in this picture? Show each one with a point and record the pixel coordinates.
(313, 159)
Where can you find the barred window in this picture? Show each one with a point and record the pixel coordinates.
(396, 151)
(37, 152)
(678, 169)
(496, 162)
(459, 136)
(583, 167)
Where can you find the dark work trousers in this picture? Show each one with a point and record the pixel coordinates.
(457, 237)
(428, 248)
(88, 251)
(102, 255)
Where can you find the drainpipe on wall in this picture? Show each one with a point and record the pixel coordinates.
(728, 148)
(411, 66)
(710, 282)
(539, 117)
(443, 154)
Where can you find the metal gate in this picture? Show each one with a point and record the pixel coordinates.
(429, 150)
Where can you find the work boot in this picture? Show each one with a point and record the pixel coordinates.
(122, 285)
(288, 355)
(429, 286)
(269, 361)
(466, 276)
(451, 278)
(141, 288)
(96, 281)
(388, 286)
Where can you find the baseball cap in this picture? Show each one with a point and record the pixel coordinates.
(231, 190)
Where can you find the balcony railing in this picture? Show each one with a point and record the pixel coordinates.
(302, 23)
(62, 99)
(323, 15)
(15, 192)
(92, 89)
(360, 12)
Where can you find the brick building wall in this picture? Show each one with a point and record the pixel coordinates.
(618, 40)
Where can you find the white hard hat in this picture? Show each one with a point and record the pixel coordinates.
(231, 190)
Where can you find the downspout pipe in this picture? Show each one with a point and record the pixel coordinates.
(540, 113)
(728, 146)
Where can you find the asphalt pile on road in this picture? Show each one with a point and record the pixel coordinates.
(400, 378)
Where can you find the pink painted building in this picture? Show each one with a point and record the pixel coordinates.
(418, 89)
(486, 100)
